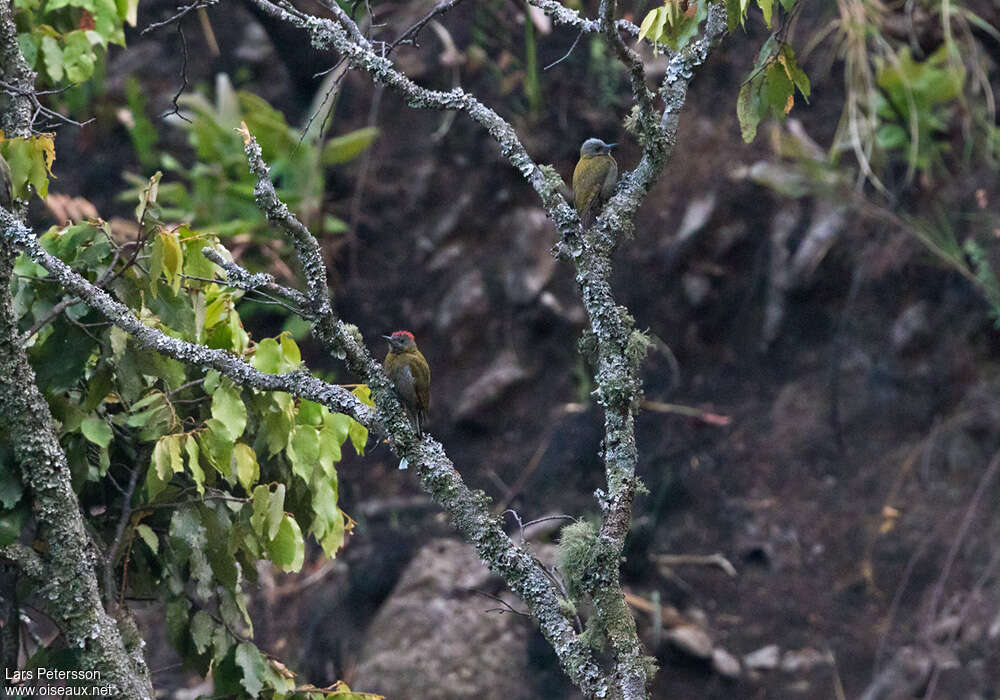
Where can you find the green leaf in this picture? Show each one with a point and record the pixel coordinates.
(359, 436)
(767, 8)
(148, 536)
(324, 505)
(267, 356)
(310, 413)
(261, 507)
(161, 459)
(748, 108)
(277, 422)
(233, 609)
(155, 484)
(646, 28)
(348, 147)
(275, 511)
(78, 56)
(290, 351)
(329, 447)
(795, 73)
(287, 549)
(244, 462)
(778, 88)
(174, 450)
(251, 663)
(303, 451)
(128, 10)
(59, 360)
(228, 409)
(202, 629)
(891, 136)
(166, 259)
(197, 473)
(335, 535)
(52, 58)
(96, 430)
(177, 622)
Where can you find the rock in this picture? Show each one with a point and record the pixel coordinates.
(800, 660)
(764, 659)
(466, 299)
(725, 664)
(493, 383)
(691, 640)
(910, 328)
(434, 640)
(528, 265)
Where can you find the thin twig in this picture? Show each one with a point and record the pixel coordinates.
(410, 35)
(179, 15)
(567, 54)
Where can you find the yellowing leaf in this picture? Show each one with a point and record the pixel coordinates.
(148, 536)
(244, 462)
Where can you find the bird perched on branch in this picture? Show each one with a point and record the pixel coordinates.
(407, 368)
(6, 186)
(593, 179)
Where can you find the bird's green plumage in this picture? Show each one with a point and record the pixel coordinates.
(593, 179)
(409, 372)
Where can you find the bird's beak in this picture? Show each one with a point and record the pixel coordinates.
(387, 337)
(612, 145)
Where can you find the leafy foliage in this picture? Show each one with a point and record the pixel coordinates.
(216, 192)
(224, 475)
(30, 160)
(64, 39)
(770, 89)
(675, 23)
(916, 101)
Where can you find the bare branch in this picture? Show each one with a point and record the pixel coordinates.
(410, 35)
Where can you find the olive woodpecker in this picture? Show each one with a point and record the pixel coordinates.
(411, 376)
(593, 179)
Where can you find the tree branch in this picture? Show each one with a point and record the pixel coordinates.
(65, 576)
(469, 510)
(299, 384)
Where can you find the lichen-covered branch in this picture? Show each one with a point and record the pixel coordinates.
(619, 348)
(241, 278)
(299, 384)
(649, 126)
(561, 14)
(327, 34)
(65, 575)
(620, 211)
(468, 510)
